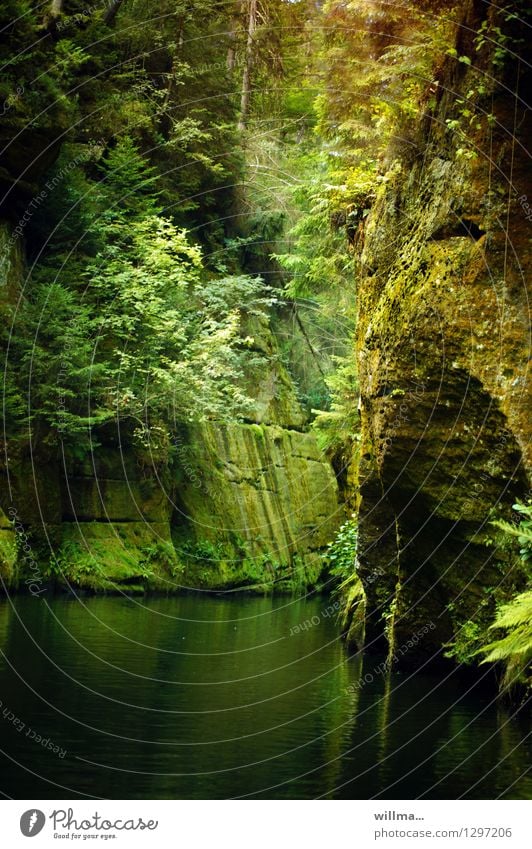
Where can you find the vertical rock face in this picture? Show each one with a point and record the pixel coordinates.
(245, 505)
(242, 505)
(443, 350)
(264, 499)
(255, 504)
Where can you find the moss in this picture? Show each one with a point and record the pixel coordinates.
(107, 556)
(265, 504)
(258, 431)
(8, 557)
(234, 565)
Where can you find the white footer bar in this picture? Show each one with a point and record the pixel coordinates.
(267, 824)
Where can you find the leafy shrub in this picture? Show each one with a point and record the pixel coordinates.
(342, 551)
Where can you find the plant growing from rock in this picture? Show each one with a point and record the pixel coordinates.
(514, 649)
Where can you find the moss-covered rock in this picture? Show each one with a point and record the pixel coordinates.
(8, 553)
(442, 354)
(128, 556)
(258, 505)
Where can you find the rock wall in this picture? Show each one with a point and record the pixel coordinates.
(248, 505)
(259, 505)
(443, 350)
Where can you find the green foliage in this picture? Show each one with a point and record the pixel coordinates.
(135, 333)
(522, 531)
(332, 197)
(53, 349)
(135, 312)
(337, 428)
(341, 553)
(130, 182)
(72, 563)
(467, 639)
(514, 649)
(353, 606)
(491, 34)
(380, 60)
(202, 550)
(341, 557)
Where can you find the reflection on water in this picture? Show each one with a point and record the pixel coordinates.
(197, 697)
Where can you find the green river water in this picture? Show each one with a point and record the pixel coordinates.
(223, 697)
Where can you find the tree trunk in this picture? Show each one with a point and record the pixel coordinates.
(231, 52)
(53, 13)
(171, 76)
(112, 12)
(246, 76)
(235, 22)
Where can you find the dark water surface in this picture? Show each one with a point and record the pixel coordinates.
(201, 697)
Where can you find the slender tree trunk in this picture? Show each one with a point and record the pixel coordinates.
(231, 50)
(112, 12)
(311, 347)
(53, 13)
(235, 21)
(248, 61)
(171, 76)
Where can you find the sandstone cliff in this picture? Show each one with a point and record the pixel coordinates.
(443, 350)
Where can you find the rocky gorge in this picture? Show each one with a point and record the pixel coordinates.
(430, 241)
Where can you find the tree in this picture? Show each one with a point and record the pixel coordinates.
(135, 332)
(248, 60)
